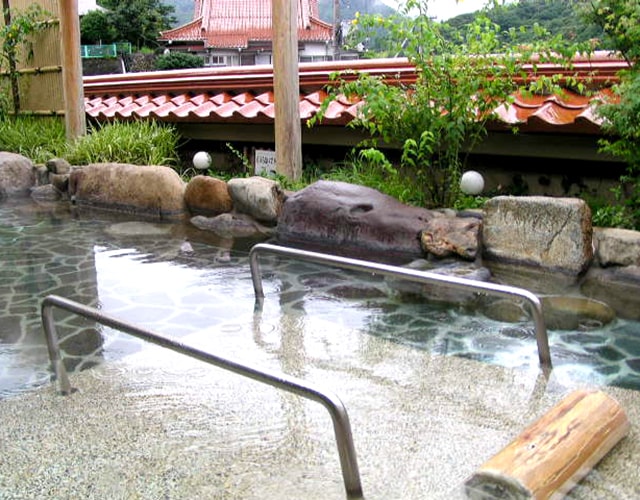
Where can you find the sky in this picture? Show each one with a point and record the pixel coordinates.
(444, 9)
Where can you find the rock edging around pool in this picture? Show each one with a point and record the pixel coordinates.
(541, 237)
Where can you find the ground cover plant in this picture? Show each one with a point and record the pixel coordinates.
(38, 138)
(138, 143)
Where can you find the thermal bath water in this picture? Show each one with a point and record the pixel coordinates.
(179, 281)
(341, 326)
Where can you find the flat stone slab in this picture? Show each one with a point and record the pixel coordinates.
(553, 233)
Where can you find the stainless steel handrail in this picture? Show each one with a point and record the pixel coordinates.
(337, 410)
(534, 302)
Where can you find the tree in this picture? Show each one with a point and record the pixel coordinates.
(459, 85)
(96, 27)
(136, 21)
(620, 20)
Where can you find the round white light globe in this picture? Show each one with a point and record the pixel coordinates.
(472, 182)
(202, 160)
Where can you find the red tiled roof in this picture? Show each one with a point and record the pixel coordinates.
(245, 95)
(234, 23)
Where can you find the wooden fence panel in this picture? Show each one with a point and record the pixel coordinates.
(39, 65)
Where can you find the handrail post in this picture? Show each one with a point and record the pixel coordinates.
(542, 338)
(256, 275)
(59, 370)
(335, 407)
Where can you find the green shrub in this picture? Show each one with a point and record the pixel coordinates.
(178, 60)
(37, 138)
(370, 167)
(612, 216)
(138, 143)
(620, 20)
(437, 119)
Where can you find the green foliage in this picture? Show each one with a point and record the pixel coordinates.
(97, 27)
(370, 167)
(612, 216)
(519, 19)
(37, 138)
(467, 202)
(620, 19)
(246, 163)
(138, 143)
(178, 60)
(136, 21)
(459, 85)
(15, 39)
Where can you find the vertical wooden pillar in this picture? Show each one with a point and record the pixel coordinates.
(286, 88)
(75, 119)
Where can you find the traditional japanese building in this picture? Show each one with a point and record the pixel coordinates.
(239, 33)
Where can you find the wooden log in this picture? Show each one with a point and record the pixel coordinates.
(554, 453)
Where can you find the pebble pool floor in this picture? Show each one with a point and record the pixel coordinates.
(422, 422)
(176, 280)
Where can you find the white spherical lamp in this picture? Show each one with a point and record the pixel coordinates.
(472, 182)
(202, 160)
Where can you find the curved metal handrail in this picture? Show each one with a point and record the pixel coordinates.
(534, 302)
(337, 410)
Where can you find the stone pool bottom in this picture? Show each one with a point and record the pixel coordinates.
(169, 427)
(149, 423)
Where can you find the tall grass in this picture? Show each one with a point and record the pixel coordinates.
(138, 143)
(37, 138)
(369, 167)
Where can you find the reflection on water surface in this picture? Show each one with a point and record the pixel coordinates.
(177, 280)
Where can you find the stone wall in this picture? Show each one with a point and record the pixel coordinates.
(544, 244)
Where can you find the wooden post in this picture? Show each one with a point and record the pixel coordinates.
(74, 117)
(555, 452)
(286, 88)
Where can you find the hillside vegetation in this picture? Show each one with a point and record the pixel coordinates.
(557, 17)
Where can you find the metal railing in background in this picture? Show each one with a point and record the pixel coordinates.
(337, 410)
(105, 50)
(534, 302)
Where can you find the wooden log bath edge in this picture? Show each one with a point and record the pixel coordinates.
(555, 452)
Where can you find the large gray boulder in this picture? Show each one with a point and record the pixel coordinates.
(17, 175)
(259, 197)
(353, 220)
(617, 247)
(154, 191)
(551, 233)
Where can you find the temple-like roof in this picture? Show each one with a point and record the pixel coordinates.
(236, 23)
(245, 95)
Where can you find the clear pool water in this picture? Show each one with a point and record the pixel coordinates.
(177, 280)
